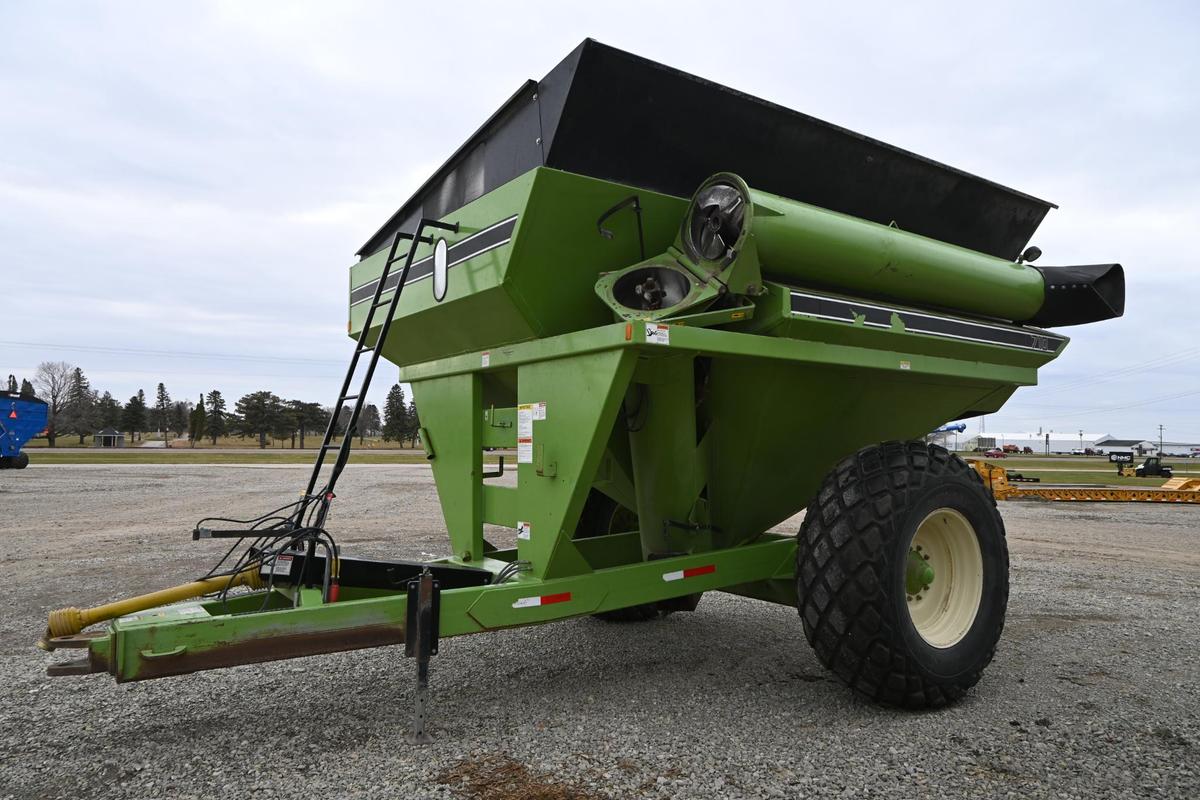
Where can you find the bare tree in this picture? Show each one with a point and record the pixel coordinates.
(53, 379)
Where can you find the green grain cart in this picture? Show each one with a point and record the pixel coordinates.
(686, 314)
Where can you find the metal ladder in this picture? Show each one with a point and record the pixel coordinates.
(326, 495)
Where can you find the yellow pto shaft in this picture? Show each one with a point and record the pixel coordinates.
(70, 621)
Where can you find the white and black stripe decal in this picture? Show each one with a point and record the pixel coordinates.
(476, 244)
(877, 316)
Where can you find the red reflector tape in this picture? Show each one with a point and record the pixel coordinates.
(690, 572)
(12, 414)
(543, 600)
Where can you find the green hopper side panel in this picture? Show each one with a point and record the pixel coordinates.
(522, 266)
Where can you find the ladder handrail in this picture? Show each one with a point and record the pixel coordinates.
(326, 493)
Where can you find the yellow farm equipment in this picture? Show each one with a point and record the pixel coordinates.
(1175, 490)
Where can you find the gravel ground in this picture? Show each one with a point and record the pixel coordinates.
(1094, 691)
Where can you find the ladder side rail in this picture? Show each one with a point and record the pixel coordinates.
(344, 451)
(331, 427)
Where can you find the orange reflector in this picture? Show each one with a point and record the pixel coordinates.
(12, 414)
(628, 331)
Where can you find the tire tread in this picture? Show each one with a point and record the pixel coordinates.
(843, 544)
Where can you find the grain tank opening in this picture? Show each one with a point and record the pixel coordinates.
(651, 288)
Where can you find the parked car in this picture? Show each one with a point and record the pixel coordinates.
(995, 453)
(1028, 451)
(1011, 448)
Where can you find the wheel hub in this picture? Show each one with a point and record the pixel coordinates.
(943, 578)
(918, 574)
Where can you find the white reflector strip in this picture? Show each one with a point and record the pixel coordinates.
(543, 600)
(690, 572)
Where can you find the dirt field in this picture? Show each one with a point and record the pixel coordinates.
(1095, 691)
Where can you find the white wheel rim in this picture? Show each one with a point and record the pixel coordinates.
(945, 608)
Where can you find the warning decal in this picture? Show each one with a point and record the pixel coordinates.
(657, 334)
(282, 565)
(523, 530)
(525, 433)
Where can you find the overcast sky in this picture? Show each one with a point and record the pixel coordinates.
(183, 185)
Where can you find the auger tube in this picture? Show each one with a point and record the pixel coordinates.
(809, 246)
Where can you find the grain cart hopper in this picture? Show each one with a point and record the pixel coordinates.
(691, 314)
(22, 416)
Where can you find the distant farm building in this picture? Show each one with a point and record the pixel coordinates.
(1149, 447)
(108, 438)
(1052, 442)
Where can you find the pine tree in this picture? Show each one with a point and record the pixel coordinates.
(368, 422)
(197, 422)
(26, 388)
(160, 416)
(180, 413)
(413, 426)
(108, 411)
(262, 413)
(133, 419)
(79, 407)
(395, 415)
(217, 424)
(306, 417)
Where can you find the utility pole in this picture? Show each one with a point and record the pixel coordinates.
(1160, 446)
(1081, 438)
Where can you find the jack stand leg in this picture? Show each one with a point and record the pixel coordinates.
(420, 641)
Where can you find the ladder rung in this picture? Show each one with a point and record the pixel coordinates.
(366, 349)
(382, 303)
(330, 446)
(350, 397)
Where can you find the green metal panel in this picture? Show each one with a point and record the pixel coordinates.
(668, 476)
(450, 413)
(500, 505)
(581, 396)
(538, 284)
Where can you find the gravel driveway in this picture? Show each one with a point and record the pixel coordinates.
(1095, 690)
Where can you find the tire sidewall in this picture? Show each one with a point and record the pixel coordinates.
(973, 651)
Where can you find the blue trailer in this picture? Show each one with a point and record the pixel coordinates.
(22, 416)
